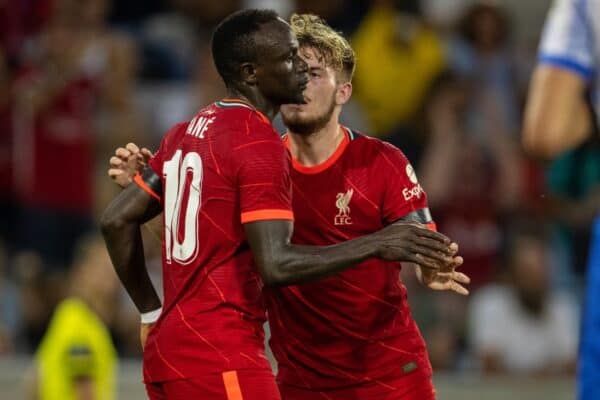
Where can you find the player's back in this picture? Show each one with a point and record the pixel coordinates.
(354, 327)
(224, 167)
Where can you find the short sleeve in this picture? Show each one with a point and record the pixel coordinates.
(263, 176)
(403, 196)
(567, 38)
(158, 159)
(150, 183)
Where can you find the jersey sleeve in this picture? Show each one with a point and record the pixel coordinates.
(151, 183)
(403, 197)
(567, 38)
(263, 177)
(158, 159)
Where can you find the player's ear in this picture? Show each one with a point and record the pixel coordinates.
(343, 94)
(248, 73)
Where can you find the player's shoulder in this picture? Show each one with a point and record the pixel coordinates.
(174, 134)
(375, 149)
(239, 115)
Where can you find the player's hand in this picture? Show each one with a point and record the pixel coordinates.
(447, 278)
(415, 243)
(126, 162)
(144, 332)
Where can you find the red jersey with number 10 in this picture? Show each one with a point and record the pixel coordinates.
(225, 167)
(354, 327)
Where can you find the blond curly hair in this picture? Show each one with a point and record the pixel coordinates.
(312, 31)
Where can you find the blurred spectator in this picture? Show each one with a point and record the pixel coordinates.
(7, 204)
(399, 58)
(74, 67)
(481, 54)
(77, 359)
(54, 135)
(523, 327)
(37, 298)
(208, 13)
(472, 181)
(574, 199)
(443, 14)
(344, 16)
(282, 7)
(168, 44)
(18, 21)
(9, 307)
(165, 103)
(131, 12)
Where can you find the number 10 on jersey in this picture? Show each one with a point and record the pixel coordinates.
(183, 187)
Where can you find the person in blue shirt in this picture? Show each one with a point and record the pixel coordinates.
(561, 113)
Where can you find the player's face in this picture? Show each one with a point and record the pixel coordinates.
(320, 96)
(281, 74)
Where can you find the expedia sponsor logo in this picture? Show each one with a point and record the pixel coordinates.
(414, 192)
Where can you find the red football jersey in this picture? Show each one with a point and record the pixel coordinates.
(354, 327)
(225, 167)
(55, 148)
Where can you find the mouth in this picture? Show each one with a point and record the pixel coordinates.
(297, 106)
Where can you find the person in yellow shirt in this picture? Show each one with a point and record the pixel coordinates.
(400, 58)
(76, 359)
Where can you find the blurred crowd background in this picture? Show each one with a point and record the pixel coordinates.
(444, 80)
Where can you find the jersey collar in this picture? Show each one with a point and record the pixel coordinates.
(229, 103)
(311, 170)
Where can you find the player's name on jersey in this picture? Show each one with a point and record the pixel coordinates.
(198, 126)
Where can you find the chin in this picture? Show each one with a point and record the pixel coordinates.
(298, 125)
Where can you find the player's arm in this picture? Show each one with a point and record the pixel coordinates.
(260, 166)
(446, 277)
(127, 162)
(403, 199)
(121, 224)
(557, 117)
(282, 263)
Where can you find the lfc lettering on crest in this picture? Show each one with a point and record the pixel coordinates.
(342, 203)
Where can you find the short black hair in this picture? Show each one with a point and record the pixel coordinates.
(233, 41)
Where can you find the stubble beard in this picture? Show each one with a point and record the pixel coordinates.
(307, 126)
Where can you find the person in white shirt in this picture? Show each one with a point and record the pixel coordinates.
(523, 327)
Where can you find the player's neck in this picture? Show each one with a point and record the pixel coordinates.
(256, 100)
(315, 148)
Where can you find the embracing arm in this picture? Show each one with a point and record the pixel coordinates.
(282, 263)
(120, 224)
